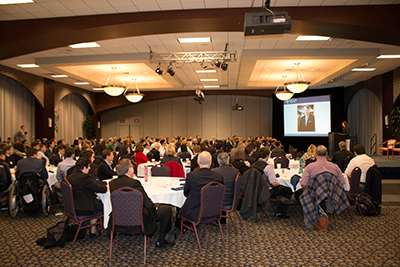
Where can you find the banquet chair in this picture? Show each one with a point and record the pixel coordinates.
(176, 169)
(4, 198)
(275, 154)
(299, 155)
(284, 161)
(57, 194)
(232, 208)
(69, 208)
(346, 162)
(390, 144)
(211, 198)
(123, 216)
(150, 156)
(310, 160)
(184, 156)
(292, 151)
(355, 187)
(395, 149)
(160, 171)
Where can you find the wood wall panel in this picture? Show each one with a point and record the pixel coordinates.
(179, 116)
(150, 125)
(209, 120)
(193, 119)
(165, 117)
(253, 116)
(224, 116)
(239, 120)
(266, 116)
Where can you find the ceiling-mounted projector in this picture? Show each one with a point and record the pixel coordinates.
(237, 107)
(266, 22)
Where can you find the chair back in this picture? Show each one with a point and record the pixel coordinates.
(176, 169)
(150, 156)
(30, 177)
(310, 160)
(184, 156)
(236, 192)
(160, 171)
(127, 207)
(299, 154)
(346, 162)
(284, 161)
(292, 151)
(275, 154)
(212, 196)
(355, 181)
(68, 198)
(391, 143)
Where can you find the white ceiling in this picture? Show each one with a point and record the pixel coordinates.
(261, 61)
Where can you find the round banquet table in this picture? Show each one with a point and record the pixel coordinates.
(157, 191)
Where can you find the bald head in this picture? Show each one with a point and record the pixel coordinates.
(204, 159)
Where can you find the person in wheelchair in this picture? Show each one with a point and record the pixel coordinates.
(30, 190)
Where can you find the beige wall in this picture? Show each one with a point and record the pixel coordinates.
(184, 116)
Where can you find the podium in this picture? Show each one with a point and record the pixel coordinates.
(334, 139)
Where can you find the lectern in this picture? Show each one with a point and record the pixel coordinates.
(334, 139)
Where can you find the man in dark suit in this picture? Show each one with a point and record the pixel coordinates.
(194, 183)
(155, 152)
(31, 163)
(249, 150)
(218, 148)
(20, 135)
(50, 148)
(170, 156)
(5, 174)
(307, 122)
(229, 175)
(105, 169)
(151, 213)
(59, 156)
(339, 156)
(84, 188)
(278, 148)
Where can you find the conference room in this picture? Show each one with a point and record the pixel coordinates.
(105, 69)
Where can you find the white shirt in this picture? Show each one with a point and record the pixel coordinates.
(364, 162)
(146, 150)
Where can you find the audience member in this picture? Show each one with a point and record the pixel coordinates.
(170, 156)
(151, 213)
(193, 162)
(65, 165)
(238, 162)
(59, 156)
(5, 174)
(339, 156)
(31, 163)
(139, 156)
(362, 161)
(105, 169)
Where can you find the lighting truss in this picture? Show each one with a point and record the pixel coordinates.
(193, 57)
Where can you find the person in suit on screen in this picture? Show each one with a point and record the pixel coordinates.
(307, 122)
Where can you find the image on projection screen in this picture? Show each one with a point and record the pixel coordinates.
(307, 116)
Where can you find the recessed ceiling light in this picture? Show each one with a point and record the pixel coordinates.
(267, 70)
(389, 56)
(97, 89)
(206, 71)
(28, 65)
(312, 38)
(194, 40)
(13, 2)
(363, 69)
(209, 80)
(59, 76)
(85, 45)
(211, 86)
(81, 83)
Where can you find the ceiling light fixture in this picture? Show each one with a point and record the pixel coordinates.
(363, 69)
(97, 89)
(170, 70)
(136, 96)
(25, 66)
(81, 83)
(113, 89)
(312, 38)
(224, 66)
(285, 94)
(209, 80)
(159, 69)
(59, 76)
(13, 2)
(85, 45)
(297, 86)
(194, 40)
(206, 71)
(388, 56)
(211, 86)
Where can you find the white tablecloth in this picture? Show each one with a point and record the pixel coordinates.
(51, 171)
(156, 190)
(141, 167)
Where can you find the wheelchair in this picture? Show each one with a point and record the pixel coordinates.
(30, 193)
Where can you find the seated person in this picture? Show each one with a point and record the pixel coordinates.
(8, 156)
(59, 156)
(5, 174)
(238, 161)
(310, 154)
(278, 191)
(42, 155)
(195, 181)
(193, 162)
(65, 165)
(155, 151)
(105, 169)
(140, 157)
(151, 213)
(84, 188)
(362, 161)
(339, 156)
(278, 148)
(169, 155)
(31, 163)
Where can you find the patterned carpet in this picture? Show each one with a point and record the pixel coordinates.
(366, 241)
